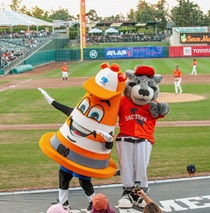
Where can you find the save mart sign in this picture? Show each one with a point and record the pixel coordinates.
(196, 38)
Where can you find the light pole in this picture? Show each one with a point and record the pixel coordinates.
(82, 28)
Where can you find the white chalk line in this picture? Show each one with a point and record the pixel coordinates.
(15, 85)
(105, 186)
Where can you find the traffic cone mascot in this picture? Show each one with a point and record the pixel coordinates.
(83, 143)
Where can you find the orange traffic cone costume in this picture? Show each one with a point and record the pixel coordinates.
(77, 145)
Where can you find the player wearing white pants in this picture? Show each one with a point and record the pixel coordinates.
(194, 65)
(177, 84)
(194, 72)
(65, 71)
(65, 75)
(177, 79)
(134, 157)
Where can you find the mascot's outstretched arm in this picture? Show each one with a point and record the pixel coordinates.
(46, 96)
(65, 109)
(159, 109)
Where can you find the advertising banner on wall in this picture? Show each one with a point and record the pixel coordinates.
(190, 51)
(134, 52)
(201, 51)
(121, 52)
(194, 38)
(147, 52)
(94, 54)
(191, 29)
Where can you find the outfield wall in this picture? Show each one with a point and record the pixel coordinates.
(45, 57)
(189, 51)
(48, 56)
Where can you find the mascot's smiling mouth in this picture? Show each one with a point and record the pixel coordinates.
(78, 131)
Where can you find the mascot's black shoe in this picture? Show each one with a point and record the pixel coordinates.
(89, 208)
(138, 201)
(66, 206)
(117, 173)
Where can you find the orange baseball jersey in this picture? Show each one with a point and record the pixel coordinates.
(64, 68)
(194, 63)
(177, 73)
(136, 121)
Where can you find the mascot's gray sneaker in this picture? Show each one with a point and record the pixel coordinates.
(126, 202)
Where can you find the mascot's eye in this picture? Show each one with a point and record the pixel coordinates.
(154, 88)
(132, 84)
(83, 107)
(96, 114)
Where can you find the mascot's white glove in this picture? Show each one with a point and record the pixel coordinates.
(46, 96)
(107, 137)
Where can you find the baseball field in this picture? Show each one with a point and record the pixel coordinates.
(182, 137)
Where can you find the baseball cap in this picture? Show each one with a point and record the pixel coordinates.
(56, 208)
(191, 168)
(100, 202)
(177, 66)
(144, 70)
(107, 83)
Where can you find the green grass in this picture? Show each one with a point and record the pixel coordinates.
(22, 111)
(22, 163)
(3, 82)
(24, 166)
(177, 147)
(161, 66)
(128, 44)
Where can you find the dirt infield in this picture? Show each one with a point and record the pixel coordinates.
(33, 82)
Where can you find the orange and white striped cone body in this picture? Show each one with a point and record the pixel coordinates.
(76, 145)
